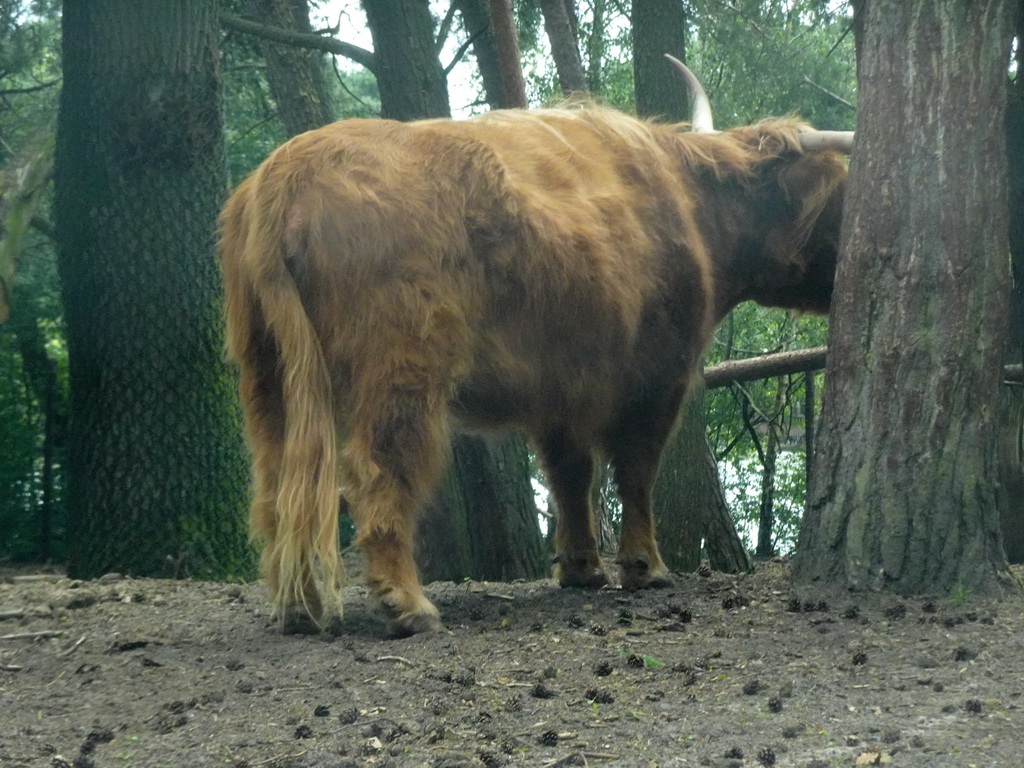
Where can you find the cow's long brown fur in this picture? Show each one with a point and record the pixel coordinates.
(559, 271)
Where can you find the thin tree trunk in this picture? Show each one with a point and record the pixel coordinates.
(688, 499)
(504, 535)
(724, 548)
(809, 425)
(42, 377)
(906, 469)
(596, 48)
(509, 58)
(766, 518)
(158, 470)
(476, 17)
(564, 47)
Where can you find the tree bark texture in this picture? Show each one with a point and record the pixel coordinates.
(766, 512)
(659, 27)
(596, 46)
(905, 474)
(409, 75)
(295, 75)
(682, 492)
(476, 18)
(158, 471)
(509, 58)
(564, 47)
(484, 523)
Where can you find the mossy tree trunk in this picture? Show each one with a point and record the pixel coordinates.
(904, 493)
(158, 470)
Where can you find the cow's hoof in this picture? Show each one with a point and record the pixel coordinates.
(591, 578)
(636, 573)
(413, 615)
(420, 624)
(297, 620)
(580, 572)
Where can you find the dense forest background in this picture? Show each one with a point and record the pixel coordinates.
(757, 58)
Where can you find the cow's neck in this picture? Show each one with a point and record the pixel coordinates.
(736, 238)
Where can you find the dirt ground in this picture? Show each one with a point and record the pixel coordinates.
(717, 671)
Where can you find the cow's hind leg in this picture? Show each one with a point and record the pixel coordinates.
(394, 456)
(570, 472)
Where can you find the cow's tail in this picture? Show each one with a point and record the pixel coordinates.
(264, 308)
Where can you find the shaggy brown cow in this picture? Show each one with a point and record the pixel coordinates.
(559, 271)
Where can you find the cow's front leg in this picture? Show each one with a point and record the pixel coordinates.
(635, 454)
(570, 471)
(639, 561)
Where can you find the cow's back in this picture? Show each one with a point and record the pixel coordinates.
(554, 248)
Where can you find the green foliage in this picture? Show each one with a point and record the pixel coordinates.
(754, 58)
(33, 356)
(739, 416)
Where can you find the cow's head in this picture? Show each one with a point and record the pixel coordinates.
(788, 259)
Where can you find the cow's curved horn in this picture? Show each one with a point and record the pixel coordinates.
(700, 107)
(815, 141)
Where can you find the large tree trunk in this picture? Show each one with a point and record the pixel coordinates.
(905, 475)
(296, 75)
(158, 472)
(411, 81)
(659, 27)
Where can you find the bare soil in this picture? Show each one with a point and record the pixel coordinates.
(717, 671)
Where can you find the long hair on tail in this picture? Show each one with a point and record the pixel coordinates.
(291, 424)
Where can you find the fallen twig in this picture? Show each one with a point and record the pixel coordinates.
(71, 649)
(30, 578)
(397, 658)
(10, 668)
(270, 760)
(499, 596)
(17, 613)
(33, 635)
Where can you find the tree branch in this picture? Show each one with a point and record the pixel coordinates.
(765, 366)
(29, 89)
(827, 92)
(300, 40)
(796, 361)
